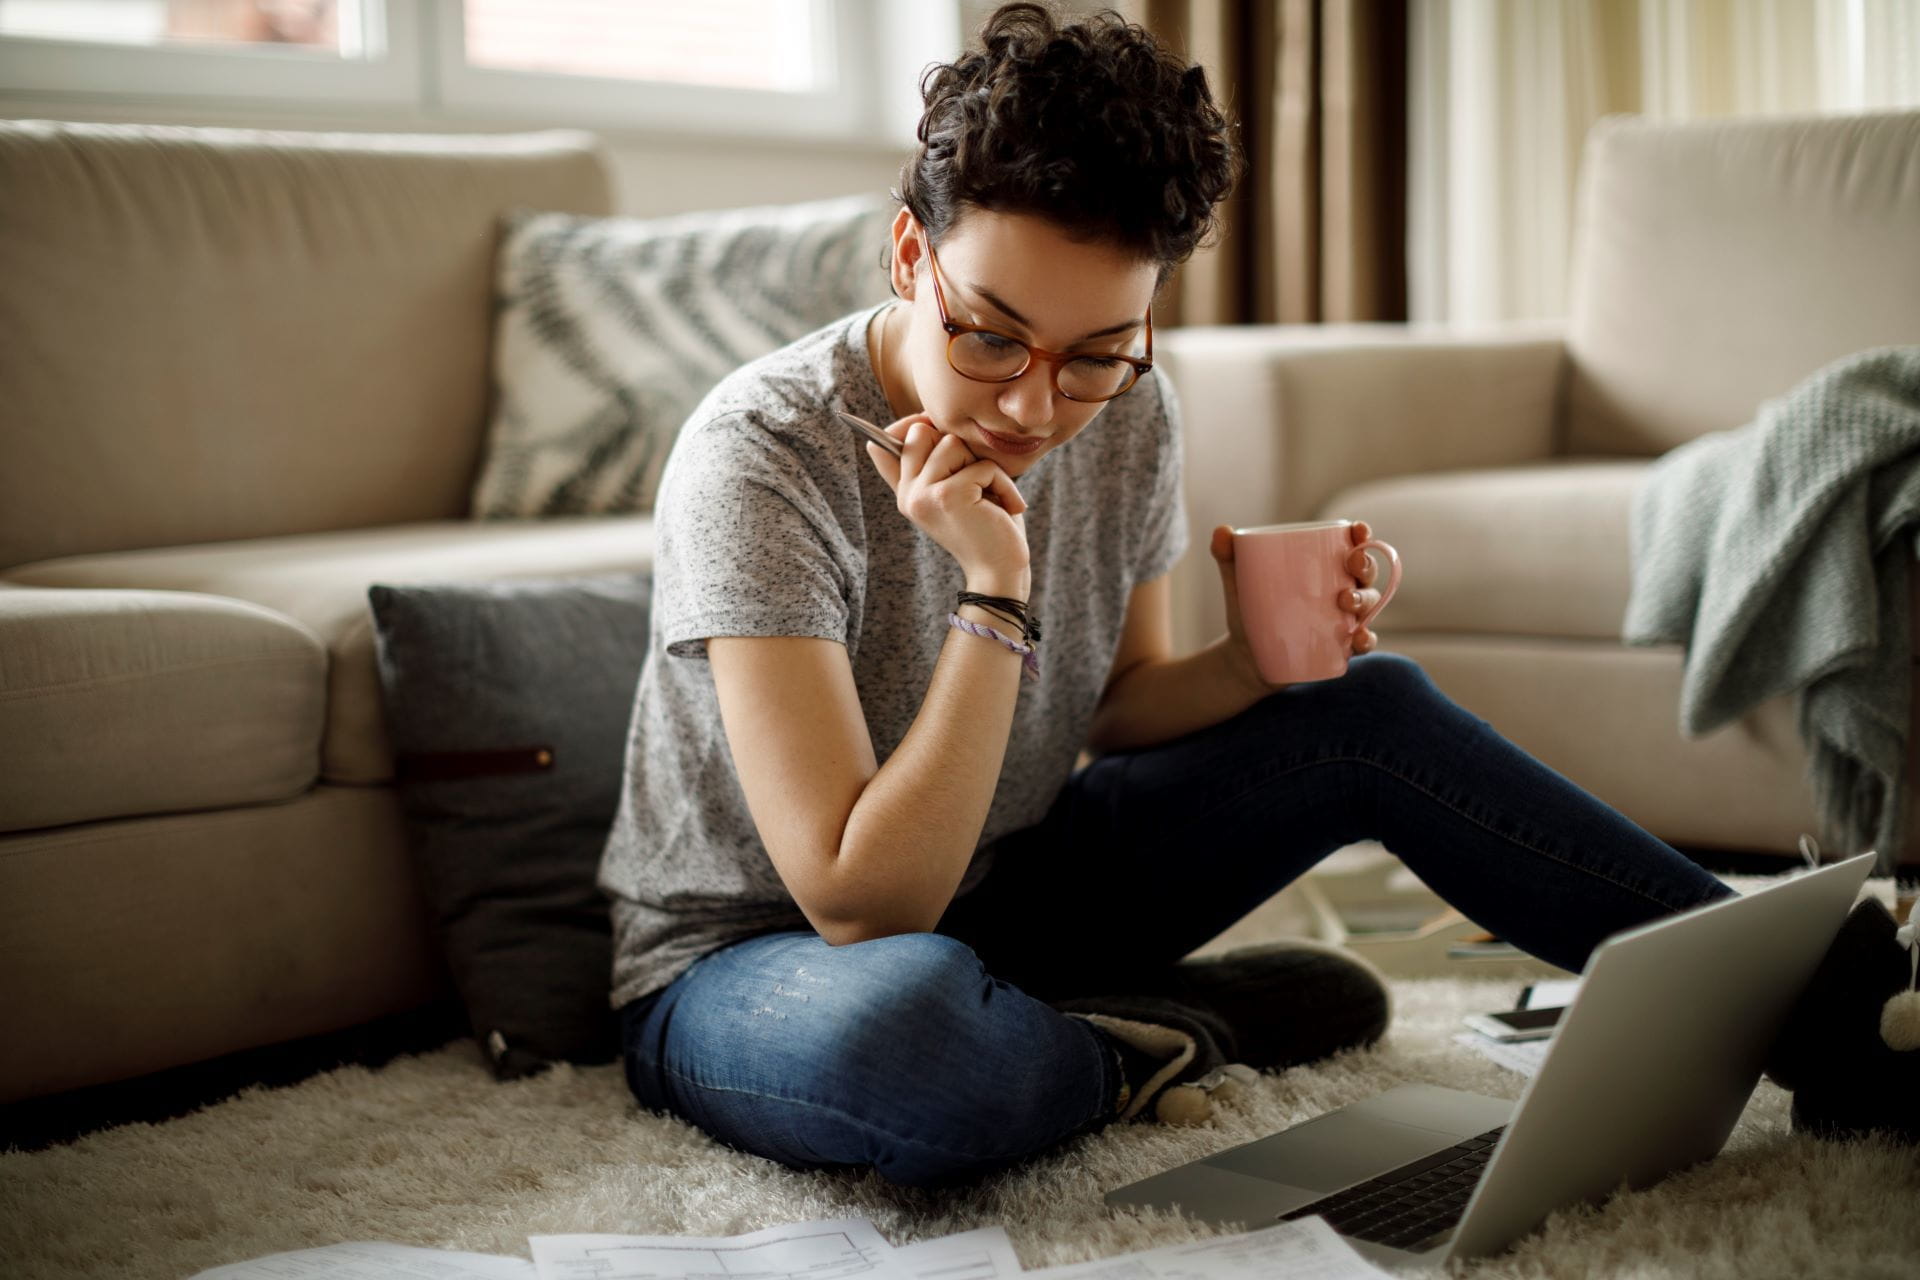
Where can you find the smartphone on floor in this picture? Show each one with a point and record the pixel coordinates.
(1512, 1025)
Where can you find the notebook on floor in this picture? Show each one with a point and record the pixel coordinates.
(1650, 1068)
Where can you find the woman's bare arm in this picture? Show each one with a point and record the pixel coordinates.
(867, 850)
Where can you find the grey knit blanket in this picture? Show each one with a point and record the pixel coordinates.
(1778, 554)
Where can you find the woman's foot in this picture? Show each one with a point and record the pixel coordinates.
(1175, 1060)
(1288, 1002)
(1846, 1076)
(1267, 1006)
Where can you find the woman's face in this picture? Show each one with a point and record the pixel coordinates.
(1020, 276)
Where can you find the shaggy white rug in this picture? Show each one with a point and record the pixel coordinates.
(430, 1151)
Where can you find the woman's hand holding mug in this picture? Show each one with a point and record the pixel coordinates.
(1300, 597)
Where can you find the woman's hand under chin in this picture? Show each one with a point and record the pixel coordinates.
(965, 504)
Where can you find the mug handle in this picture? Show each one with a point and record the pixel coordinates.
(1393, 577)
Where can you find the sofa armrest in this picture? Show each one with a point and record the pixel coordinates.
(1279, 419)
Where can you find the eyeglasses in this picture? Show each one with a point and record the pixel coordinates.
(986, 355)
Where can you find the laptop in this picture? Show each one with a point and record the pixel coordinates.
(1651, 1067)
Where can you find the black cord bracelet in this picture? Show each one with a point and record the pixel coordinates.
(1014, 611)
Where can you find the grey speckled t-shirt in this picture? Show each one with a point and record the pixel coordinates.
(771, 521)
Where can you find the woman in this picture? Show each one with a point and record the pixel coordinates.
(867, 912)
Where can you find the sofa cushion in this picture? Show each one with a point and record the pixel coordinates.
(610, 330)
(1719, 262)
(116, 703)
(211, 334)
(1534, 550)
(509, 705)
(321, 580)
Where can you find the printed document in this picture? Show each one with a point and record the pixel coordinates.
(983, 1254)
(374, 1260)
(845, 1249)
(1306, 1249)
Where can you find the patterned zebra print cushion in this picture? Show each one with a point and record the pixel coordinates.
(610, 330)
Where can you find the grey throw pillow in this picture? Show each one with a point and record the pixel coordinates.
(608, 331)
(508, 703)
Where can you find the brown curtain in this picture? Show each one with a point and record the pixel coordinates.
(1317, 229)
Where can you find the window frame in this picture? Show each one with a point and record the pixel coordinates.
(421, 70)
(96, 68)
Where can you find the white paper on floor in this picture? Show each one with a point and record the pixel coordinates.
(842, 1249)
(982, 1254)
(1306, 1249)
(1524, 1056)
(374, 1260)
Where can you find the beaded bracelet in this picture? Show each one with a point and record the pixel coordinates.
(1029, 660)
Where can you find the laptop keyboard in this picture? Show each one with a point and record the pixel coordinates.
(1406, 1208)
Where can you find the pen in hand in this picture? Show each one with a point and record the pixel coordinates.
(871, 432)
(891, 445)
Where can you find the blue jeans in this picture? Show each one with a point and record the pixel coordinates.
(934, 1057)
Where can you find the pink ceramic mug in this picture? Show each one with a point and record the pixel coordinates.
(1290, 578)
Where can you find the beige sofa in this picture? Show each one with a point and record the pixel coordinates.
(243, 376)
(1716, 264)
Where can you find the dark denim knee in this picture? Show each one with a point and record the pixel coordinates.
(1378, 691)
(1391, 673)
(1391, 692)
(970, 1073)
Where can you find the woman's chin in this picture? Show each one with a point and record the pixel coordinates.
(1017, 467)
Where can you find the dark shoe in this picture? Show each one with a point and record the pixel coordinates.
(1173, 1058)
(1286, 1003)
(1846, 1077)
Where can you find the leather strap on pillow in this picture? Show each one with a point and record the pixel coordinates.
(438, 766)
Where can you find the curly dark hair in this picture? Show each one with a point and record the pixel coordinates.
(1095, 126)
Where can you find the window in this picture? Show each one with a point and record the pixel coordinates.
(321, 26)
(782, 67)
(741, 44)
(309, 51)
(772, 66)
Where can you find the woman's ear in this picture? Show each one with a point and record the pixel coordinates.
(906, 253)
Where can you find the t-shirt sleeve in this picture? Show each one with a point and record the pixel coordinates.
(1164, 528)
(746, 543)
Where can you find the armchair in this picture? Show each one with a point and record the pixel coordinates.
(1717, 264)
